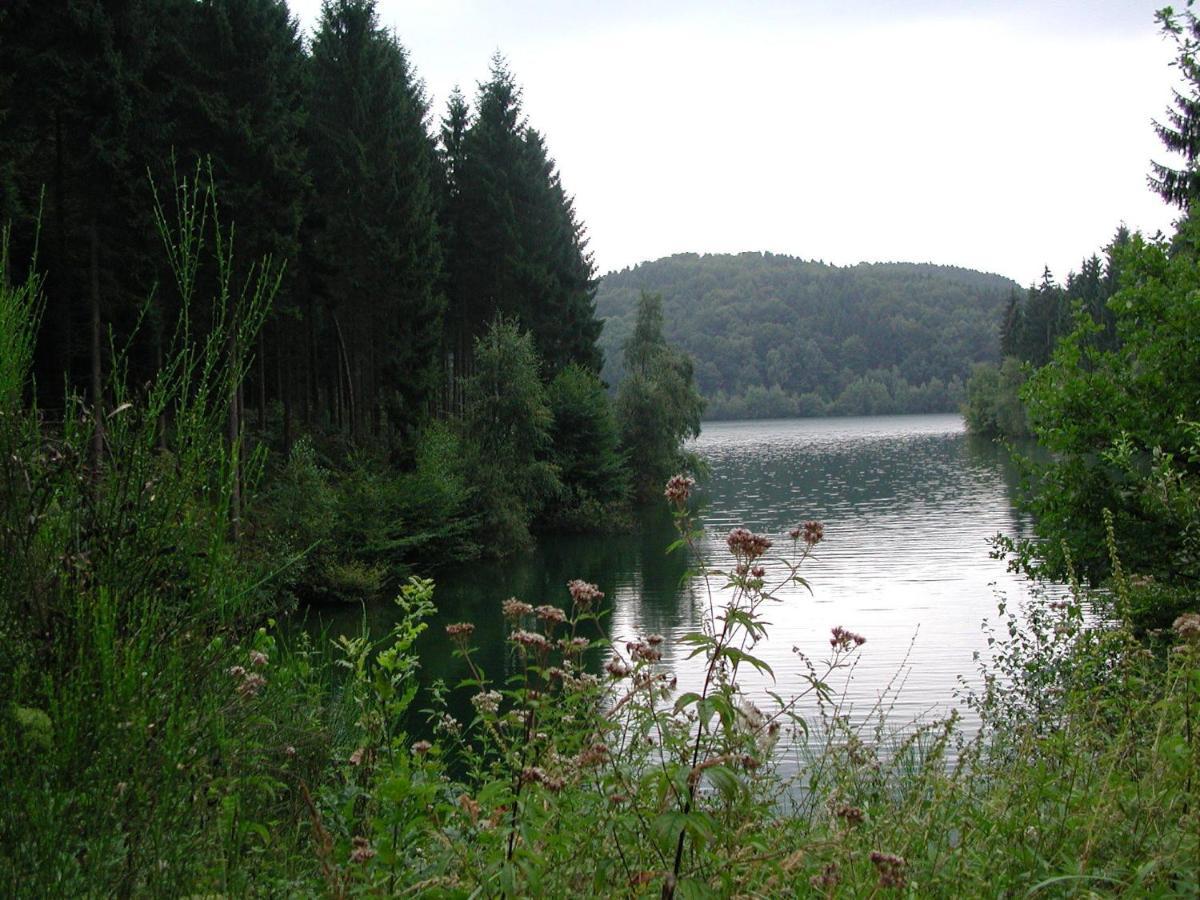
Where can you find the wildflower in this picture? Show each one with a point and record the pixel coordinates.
(574, 646)
(583, 681)
(814, 533)
(851, 814)
(529, 639)
(356, 757)
(654, 640)
(251, 685)
(890, 868)
(617, 799)
(679, 488)
(827, 879)
(362, 850)
(551, 614)
(258, 659)
(486, 702)
(616, 668)
(593, 755)
(1187, 626)
(514, 608)
(532, 774)
(447, 724)
(841, 639)
(460, 632)
(289, 750)
(751, 715)
(421, 747)
(744, 544)
(758, 572)
(584, 593)
(237, 671)
(643, 652)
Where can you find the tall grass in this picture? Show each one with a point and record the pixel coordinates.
(157, 739)
(132, 760)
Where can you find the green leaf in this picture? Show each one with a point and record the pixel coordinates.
(725, 780)
(737, 656)
(686, 700)
(666, 827)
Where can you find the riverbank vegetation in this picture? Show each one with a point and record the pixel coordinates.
(1103, 375)
(425, 384)
(391, 363)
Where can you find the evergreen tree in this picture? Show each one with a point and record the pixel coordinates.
(376, 258)
(81, 123)
(1010, 326)
(1181, 130)
(658, 406)
(507, 422)
(519, 249)
(586, 448)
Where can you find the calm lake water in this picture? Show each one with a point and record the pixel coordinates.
(909, 504)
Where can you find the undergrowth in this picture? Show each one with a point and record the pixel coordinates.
(159, 737)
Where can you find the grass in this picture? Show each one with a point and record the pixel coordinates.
(159, 739)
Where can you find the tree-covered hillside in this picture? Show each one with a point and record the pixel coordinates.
(774, 335)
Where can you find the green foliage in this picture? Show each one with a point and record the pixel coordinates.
(376, 262)
(585, 442)
(657, 405)
(994, 407)
(804, 332)
(1178, 133)
(1118, 421)
(351, 529)
(517, 248)
(507, 426)
(148, 745)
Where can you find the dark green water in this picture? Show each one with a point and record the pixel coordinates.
(908, 502)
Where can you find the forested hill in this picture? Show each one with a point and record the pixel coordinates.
(775, 335)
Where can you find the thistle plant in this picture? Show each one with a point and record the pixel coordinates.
(584, 743)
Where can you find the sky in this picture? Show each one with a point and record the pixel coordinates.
(998, 135)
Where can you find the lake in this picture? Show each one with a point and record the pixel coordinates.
(909, 504)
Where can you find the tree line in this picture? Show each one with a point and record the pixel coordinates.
(427, 375)
(1103, 373)
(401, 237)
(776, 336)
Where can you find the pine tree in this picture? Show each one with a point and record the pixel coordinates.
(376, 260)
(1010, 326)
(1181, 130)
(658, 406)
(519, 249)
(81, 124)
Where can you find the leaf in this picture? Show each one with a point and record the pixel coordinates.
(686, 700)
(725, 780)
(694, 889)
(740, 656)
(666, 827)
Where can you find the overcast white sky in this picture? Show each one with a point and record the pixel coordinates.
(1001, 136)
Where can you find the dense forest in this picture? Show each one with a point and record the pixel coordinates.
(1030, 329)
(775, 336)
(390, 247)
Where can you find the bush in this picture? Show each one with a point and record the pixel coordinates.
(584, 438)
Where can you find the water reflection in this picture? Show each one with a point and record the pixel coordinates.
(909, 504)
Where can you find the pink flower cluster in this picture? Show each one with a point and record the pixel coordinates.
(841, 639)
(746, 545)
